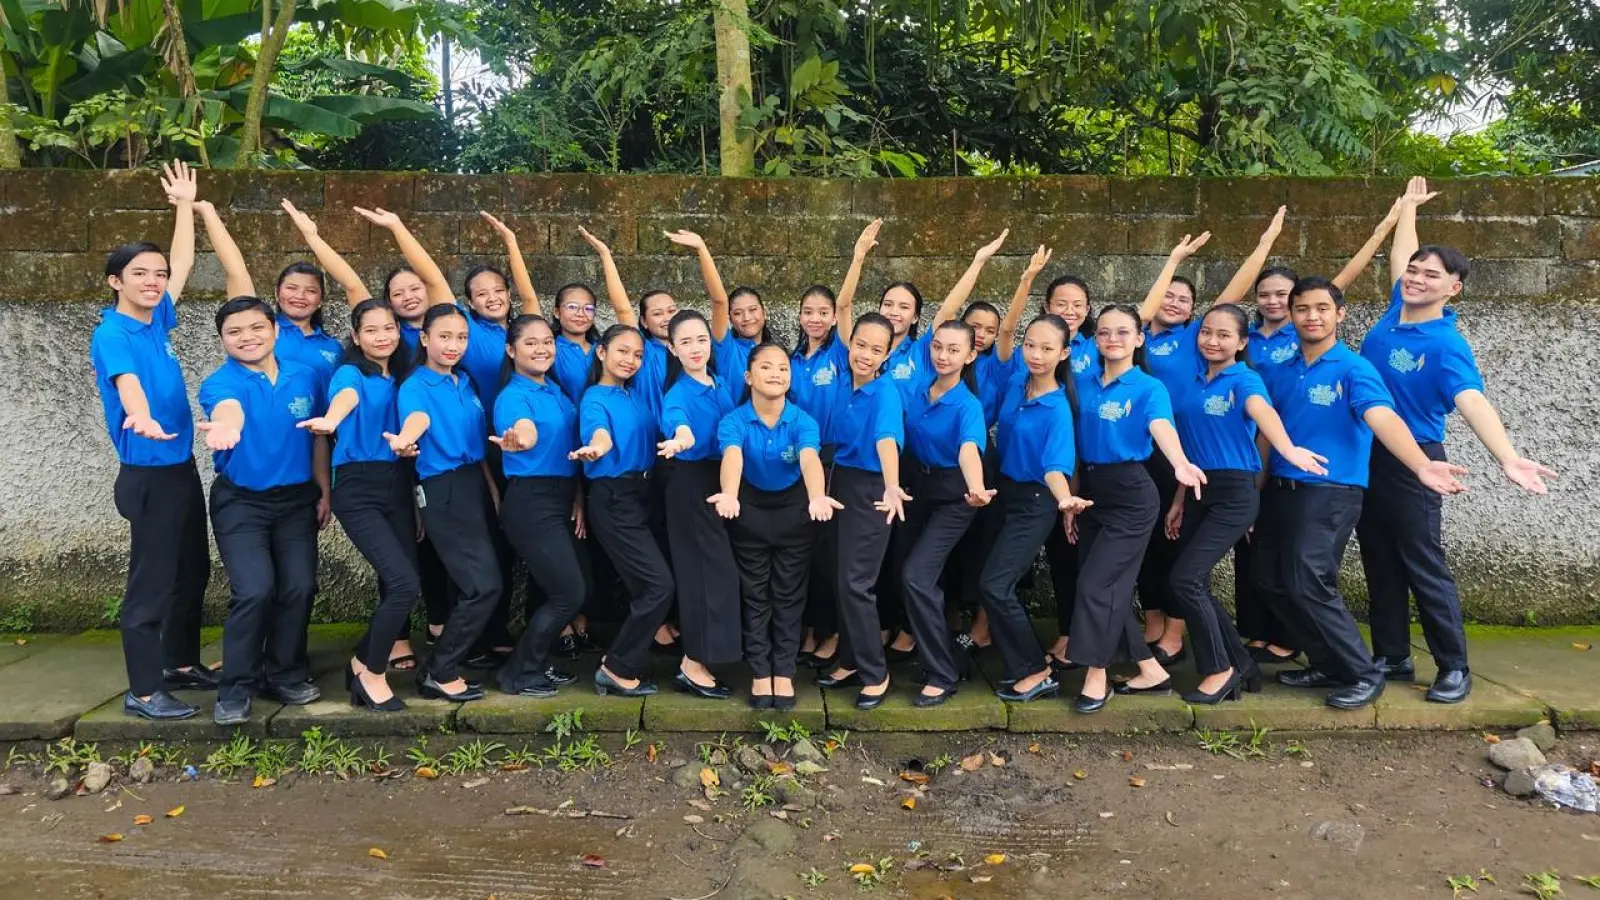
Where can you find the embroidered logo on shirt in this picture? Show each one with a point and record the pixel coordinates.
(300, 407)
(823, 376)
(171, 351)
(1079, 364)
(1401, 360)
(1284, 353)
(902, 371)
(329, 355)
(789, 455)
(1325, 394)
(1112, 411)
(475, 401)
(1218, 405)
(1164, 349)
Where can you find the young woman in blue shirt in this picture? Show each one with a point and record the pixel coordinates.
(157, 490)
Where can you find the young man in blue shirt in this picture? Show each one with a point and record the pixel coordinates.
(1430, 369)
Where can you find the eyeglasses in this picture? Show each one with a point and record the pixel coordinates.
(575, 309)
(1123, 333)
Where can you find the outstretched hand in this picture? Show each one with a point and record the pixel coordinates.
(990, 249)
(726, 505)
(1188, 246)
(303, 222)
(1527, 474)
(868, 238)
(1440, 477)
(178, 180)
(219, 437)
(146, 427)
(823, 508)
(685, 238)
(379, 216)
(1040, 259)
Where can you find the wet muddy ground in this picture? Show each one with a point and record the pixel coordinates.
(1158, 817)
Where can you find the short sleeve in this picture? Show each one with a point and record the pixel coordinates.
(110, 353)
(1251, 385)
(1395, 299)
(730, 431)
(1158, 403)
(922, 350)
(674, 412)
(213, 391)
(409, 400)
(1460, 369)
(889, 420)
(807, 432)
(1366, 388)
(592, 417)
(972, 428)
(1060, 449)
(344, 377)
(506, 406)
(165, 316)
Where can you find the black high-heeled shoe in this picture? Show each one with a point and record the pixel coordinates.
(1252, 682)
(429, 688)
(866, 701)
(760, 701)
(689, 686)
(360, 698)
(1265, 655)
(783, 702)
(1162, 689)
(1228, 691)
(1062, 666)
(1049, 687)
(1086, 704)
(1165, 658)
(605, 684)
(928, 701)
(828, 681)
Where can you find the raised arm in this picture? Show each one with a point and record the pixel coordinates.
(178, 180)
(712, 278)
(621, 306)
(1158, 291)
(1363, 258)
(237, 274)
(844, 306)
(969, 279)
(340, 271)
(519, 266)
(416, 257)
(1405, 229)
(1244, 279)
(1006, 338)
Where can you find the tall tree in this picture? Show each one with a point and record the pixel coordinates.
(737, 143)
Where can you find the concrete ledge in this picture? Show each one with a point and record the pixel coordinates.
(48, 691)
(501, 713)
(18, 647)
(1557, 668)
(973, 708)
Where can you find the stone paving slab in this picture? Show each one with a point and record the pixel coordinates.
(1056, 715)
(1491, 705)
(1544, 664)
(671, 710)
(973, 708)
(501, 713)
(18, 647)
(108, 722)
(48, 691)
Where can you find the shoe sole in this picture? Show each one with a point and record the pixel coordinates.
(149, 718)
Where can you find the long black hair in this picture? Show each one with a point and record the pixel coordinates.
(968, 376)
(593, 334)
(916, 319)
(1086, 327)
(750, 365)
(1064, 375)
(1270, 272)
(1138, 327)
(434, 314)
(674, 365)
(605, 340)
(766, 330)
(1240, 319)
(466, 288)
(122, 257)
(817, 290)
(399, 361)
(303, 268)
(982, 306)
(514, 330)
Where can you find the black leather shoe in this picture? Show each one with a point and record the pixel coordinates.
(194, 678)
(1357, 695)
(587, 643)
(688, 686)
(822, 663)
(361, 699)
(671, 648)
(1063, 666)
(1163, 689)
(828, 681)
(1265, 655)
(537, 687)
(1396, 670)
(605, 684)
(1308, 678)
(161, 706)
(1451, 687)
(1165, 658)
(865, 701)
(428, 687)
(1049, 687)
(488, 659)
(895, 656)
(566, 647)
(760, 701)
(1086, 704)
(293, 694)
(559, 678)
(231, 712)
(1228, 691)
(926, 701)
(783, 702)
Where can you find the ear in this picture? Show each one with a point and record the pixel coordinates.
(1454, 289)
(114, 282)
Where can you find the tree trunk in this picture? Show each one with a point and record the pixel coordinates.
(10, 150)
(274, 32)
(738, 145)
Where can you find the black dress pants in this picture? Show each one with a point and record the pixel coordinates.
(863, 541)
(537, 516)
(1062, 558)
(1112, 537)
(1155, 570)
(373, 501)
(822, 607)
(620, 517)
(1301, 535)
(1027, 512)
(168, 569)
(703, 565)
(772, 542)
(1257, 619)
(268, 544)
(1212, 524)
(460, 518)
(937, 519)
(1402, 552)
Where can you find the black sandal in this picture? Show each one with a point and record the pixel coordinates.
(406, 662)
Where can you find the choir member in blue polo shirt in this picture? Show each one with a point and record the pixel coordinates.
(868, 429)
(738, 320)
(1218, 415)
(1121, 412)
(656, 309)
(264, 506)
(945, 439)
(372, 494)
(618, 452)
(1429, 368)
(537, 431)
(575, 339)
(1035, 443)
(1333, 402)
(703, 565)
(158, 491)
(442, 416)
(771, 487)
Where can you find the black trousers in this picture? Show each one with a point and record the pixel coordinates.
(459, 515)
(1112, 537)
(772, 542)
(168, 569)
(1257, 619)
(1301, 535)
(1027, 513)
(863, 540)
(373, 501)
(620, 517)
(706, 575)
(1155, 571)
(822, 604)
(537, 516)
(268, 544)
(890, 591)
(1402, 552)
(1062, 558)
(497, 632)
(937, 519)
(1211, 525)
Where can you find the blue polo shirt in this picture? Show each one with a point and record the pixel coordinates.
(1035, 436)
(316, 351)
(626, 418)
(486, 350)
(907, 362)
(936, 430)
(1265, 351)
(1424, 365)
(1322, 407)
(554, 418)
(1114, 419)
(865, 416)
(732, 354)
(1215, 429)
(699, 406)
(410, 336)
(1173, 356)
(1085, 355)
(571, 370)
(994, 378)
(811, 377)
(123, 345)
(771, 455)
(360, 435)
(272, 452)
(651, 379)
(457, 427)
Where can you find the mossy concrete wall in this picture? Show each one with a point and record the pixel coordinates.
(1530, 311)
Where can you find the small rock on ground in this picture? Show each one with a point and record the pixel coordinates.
(803, 749)
(1517, 753)
(793, 792)
(750, 760)
(1348, 835)
(58, 789)
(1519, 783)
(142, 770)
(686, 776)
(1542, 735)
(97, 777)
(769, 834)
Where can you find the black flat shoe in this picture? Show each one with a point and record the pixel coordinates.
(1396, 669)
(1049, 687)
(559, 678)
(927, 701)
(1162, 689)
(566, 647)
(783, 702)
(1165, 658)
(194, 678)
(673, 648)
(538, 687)
(231, 712)
(605, 684)
(1363, 693)
(828, 681)
(1451, 687)
(1308, 678)
(486, 660)
(161, 707)
(761, 701)
(865, 701)
(895, 656)
(1086, 704)
(1228, 691)
(360, 698)
(688, 686)
(429, 688)
(587, 643)
(1265, 655)
(1063, 666)
(293, 694)
(805, 658)
(823, 663)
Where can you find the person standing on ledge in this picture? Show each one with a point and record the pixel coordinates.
(158, 487)
(1430, 369)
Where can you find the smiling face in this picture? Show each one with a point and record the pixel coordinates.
(1220, 338)
(142, 282)
(575, 312)
(1426, 282)
(951, 350)
(817, 315)
(409, 296)
(1071, 303)
(489, 296)
(1316, 316)
(299, 296)
(747, 316)
(1117, 335)
(1177, 305)
(1272, 298)
(445, 341)
(533, 353)
(768, 376)
(899, 306)
(248, 336)
(691, 344)
(869, 347)
(378, 335)
(659, 308)
(985, 327)
(620, 359)
(1043, 348)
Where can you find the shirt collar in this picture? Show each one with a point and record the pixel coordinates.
(433, 378)
(128, 323)
(1446, 320)
(1234, 368)
(1049, 399)
(287, 325)
(1338, 353)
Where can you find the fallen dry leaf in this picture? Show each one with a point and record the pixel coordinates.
(426, 772)
(1080, 774)
(377, 853)
(1491, 739)
(780, 768)
(175, 812)
(111, 838)
(693, 819)
(1034, 747)
(914, 777)
(513, 767)
(908, 803)
(591, 861)
(994, 859)
(972, 763)
(996, 759)
(699, 804)
(708, 777)
(261, 782)
(1127, 756)
(1136, 781)
(780, 814)
(862, 869)
(650, 753)
(143, 820)
(830, 746)
(1170, 820)
(1582, 645)
(22, 642)
(475, 783)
